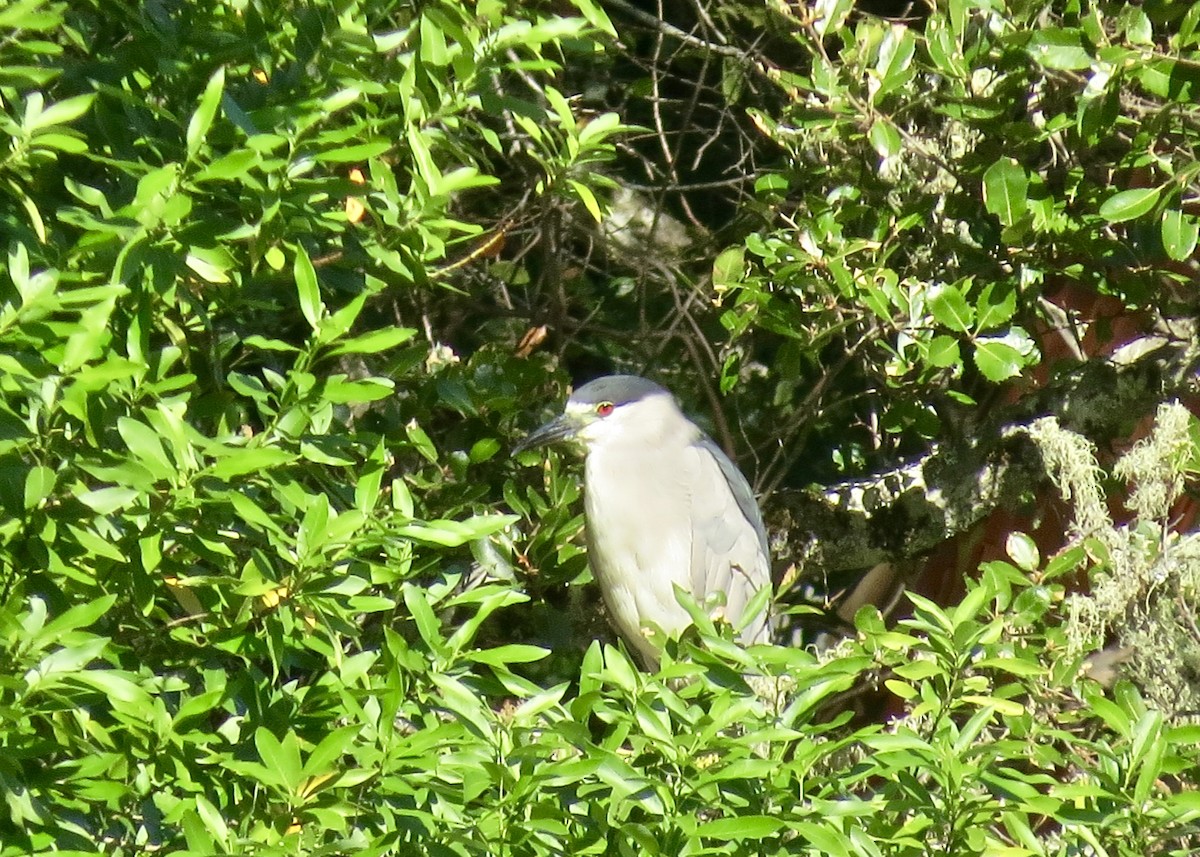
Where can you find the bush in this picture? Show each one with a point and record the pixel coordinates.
(263, 588)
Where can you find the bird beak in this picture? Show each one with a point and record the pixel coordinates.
(559, 428)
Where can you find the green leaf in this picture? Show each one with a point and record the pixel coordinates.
(374, 342)
(426, 169)
(1012, 666)
(448, 533)
(1006, 707)
(211, 264)
(1147, 732)
(483, 449)
(740, 827)
(120, 689)
(1170, 79)
(585, 195)
(943, 47)
(1129, 204)
(884, 137)
(1179, 234)
(943, 352)
(1138, 28)
(341, 391)
(367, 489)
(248, 386)
(307, 288)
(325, 453)
(26, 15)
(39, 484)
(238, 461)
(1184, 805)
(196, 833)
(233, 165)
(513, 653)
(423, 616)
(341, 99)
(327, 755)
(1058, 48)
(900, 743)
(65, 661)
(950, 307)
(79, 616)
(917, 670)
(894, 67)
(998, 361)
(60, 113)
(421, 442)
(144, 443)
(107, 500)
(434, 50)
(995, 306)
(595, 15)
(280, 758)
(769, 183)
(91, 334)
(357, 153)
(63, 142)
(968, 609)
(830, 15)
(1112, 714)
(214, 822)
(202, 119)
(1023, 552)
(729, 267)
(250, 512)
(1005, 190)
(335, 325)
(256, 341)
(825, 838)
(463, 178)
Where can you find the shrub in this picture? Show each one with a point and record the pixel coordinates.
(263, 588)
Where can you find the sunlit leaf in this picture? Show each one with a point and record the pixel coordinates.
(307, 288)
(1179, 234)
(1129, 204)
(1005, 186)
(950, 307)
(206, 111)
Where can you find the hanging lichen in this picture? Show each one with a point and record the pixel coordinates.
(1145, 578)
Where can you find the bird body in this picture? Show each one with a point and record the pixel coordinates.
(664, 507)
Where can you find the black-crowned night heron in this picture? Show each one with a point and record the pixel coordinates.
(665, 507)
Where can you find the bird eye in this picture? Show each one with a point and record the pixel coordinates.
(604, 408)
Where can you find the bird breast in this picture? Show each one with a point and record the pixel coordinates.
(639, 534)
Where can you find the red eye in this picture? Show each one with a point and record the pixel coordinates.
(604, 408)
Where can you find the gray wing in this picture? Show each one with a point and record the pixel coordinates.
(729, 541)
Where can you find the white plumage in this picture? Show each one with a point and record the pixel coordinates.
(664, 506)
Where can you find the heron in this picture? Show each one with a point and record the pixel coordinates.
(664, 507)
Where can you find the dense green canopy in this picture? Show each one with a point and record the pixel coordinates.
(283, 280)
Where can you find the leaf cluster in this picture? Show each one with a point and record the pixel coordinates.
(263, 588)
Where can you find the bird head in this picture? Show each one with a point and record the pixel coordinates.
(610, 410)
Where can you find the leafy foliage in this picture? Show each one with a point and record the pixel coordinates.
(927, 203)
(262, 586)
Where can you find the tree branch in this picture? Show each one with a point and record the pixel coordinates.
(905, 512)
